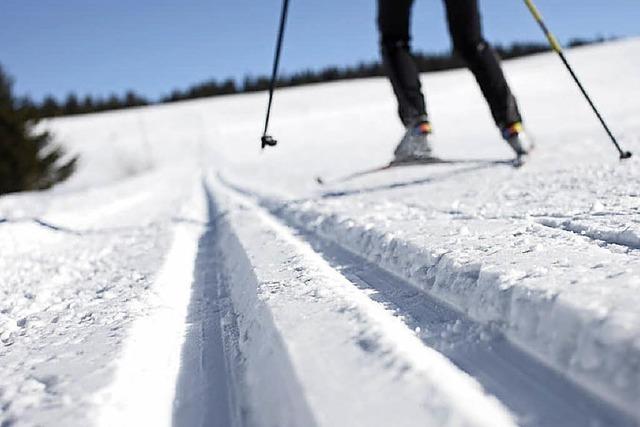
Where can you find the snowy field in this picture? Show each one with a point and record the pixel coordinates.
(183, 277)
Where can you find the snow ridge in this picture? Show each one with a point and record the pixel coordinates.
(556, 330)
(604, 360)
(330, 332)
(627, 236)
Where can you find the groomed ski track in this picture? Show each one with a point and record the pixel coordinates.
(528, 390)
(287, 327)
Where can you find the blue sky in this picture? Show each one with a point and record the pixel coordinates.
(101, 47)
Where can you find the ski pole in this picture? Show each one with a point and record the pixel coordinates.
(558, 49)
(266, 139)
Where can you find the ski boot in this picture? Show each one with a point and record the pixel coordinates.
(414, 145)
(519, 142)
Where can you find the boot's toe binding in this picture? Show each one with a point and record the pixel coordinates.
(415, 143)
(517, 139)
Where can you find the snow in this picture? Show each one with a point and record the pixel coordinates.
(155, 341)
(367, 350)
(185, 277)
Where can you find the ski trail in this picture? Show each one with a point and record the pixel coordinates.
(206, 390)
(235, 369)
(342, 344)
(538, 394)
(145, 375)
(603, 236)
(567, 332)
(626, 237)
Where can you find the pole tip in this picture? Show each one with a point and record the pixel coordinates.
(268, 140)
(625, 155)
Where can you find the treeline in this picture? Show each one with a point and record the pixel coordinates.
(50, 107)
(72, 104)
(426, 62)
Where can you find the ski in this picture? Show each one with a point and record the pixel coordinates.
(421, 162)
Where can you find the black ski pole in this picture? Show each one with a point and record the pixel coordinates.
(558, 49)
(266, 139)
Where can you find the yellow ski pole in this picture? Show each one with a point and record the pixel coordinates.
(558, 49)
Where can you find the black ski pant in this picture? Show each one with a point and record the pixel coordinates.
(465, 28)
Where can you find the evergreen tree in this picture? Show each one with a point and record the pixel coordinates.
(227, 88)
(87, 104)
(131, 99)
(72, 105)
(28, 160)
(112, 103)
(49, 107)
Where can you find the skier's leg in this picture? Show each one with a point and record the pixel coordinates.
(466, 33)
(393, 25)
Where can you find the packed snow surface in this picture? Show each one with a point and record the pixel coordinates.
(184, 277)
